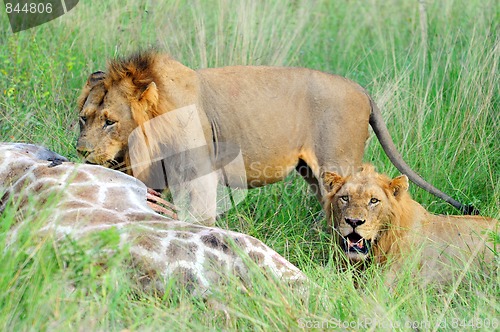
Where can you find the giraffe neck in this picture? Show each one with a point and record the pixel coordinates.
(87, 199)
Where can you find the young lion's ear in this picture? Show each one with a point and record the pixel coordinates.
(150, 95)
(399, 185)
(95, 78)
(92, 81)
(145, 107)
(332, 181)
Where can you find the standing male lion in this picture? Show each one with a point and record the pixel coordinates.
(280, 118)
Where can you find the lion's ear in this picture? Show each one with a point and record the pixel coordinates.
(92, 81)
(399, 185)
(332, 181)
(150, 95)
(95, 78)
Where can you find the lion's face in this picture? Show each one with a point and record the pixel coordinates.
(361, 205)
(106, 120)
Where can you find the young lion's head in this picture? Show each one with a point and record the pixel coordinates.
(133, 91)
(112, 105)
(366, 208)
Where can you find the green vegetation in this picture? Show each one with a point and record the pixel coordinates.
(431, 66)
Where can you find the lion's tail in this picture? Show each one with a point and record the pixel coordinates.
(385, 139)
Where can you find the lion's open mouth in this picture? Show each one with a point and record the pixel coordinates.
(355, 244)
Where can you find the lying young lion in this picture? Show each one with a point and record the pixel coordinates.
(375, 219)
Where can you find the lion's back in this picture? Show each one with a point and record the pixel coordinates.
(291, 112)
(459, 238)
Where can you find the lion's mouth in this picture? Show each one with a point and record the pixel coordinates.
(114, 163)
(355, 244)
(117, 164)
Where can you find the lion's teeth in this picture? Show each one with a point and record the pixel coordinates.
(360, 243)
(349, 243)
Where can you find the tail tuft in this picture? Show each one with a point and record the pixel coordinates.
(469, 210)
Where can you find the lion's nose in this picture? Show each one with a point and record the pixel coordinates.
(354, 222)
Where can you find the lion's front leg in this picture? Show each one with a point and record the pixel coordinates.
(197, 200)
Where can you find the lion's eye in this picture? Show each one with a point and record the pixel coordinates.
(344, 199)
(109, 122)
(83, 118)
(374, 200)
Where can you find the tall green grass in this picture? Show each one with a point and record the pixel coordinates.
(431, 66)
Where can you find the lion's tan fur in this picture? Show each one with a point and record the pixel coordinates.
(398, 226)
(154, 84)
